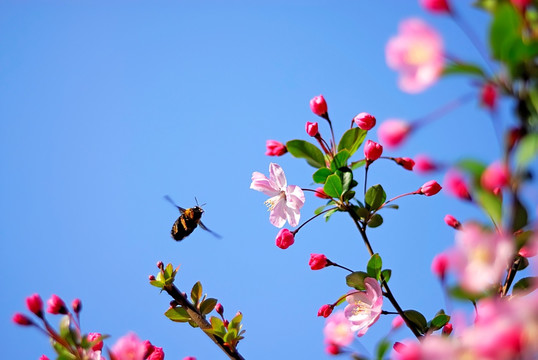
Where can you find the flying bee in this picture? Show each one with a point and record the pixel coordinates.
(187, 221)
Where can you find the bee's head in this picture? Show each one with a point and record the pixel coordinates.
(198, 209)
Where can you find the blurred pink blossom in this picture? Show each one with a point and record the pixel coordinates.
(393, 132)
(129, 347)
(488, 96)
(455, 184)
(417, 53)
(424, 164)
(285, 200)
(436, 6)
(494, 177)
(364, 307)
(338, 330)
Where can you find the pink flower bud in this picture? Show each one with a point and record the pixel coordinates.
(148, 348)
(488, 96)
(455, 184)
(495, 176)
(528, 250)
(407, 351)
(325, 310)
(311, 128)
(189, 358)
(56, 305)
(393, 132)
(332, 349)
(372, 151)
(436, 6)
(440, 264)
(405, 162)
(285, 239)
(35, 304)
(156, 354)
(452, 222)
(98, 346)
(160, 265)
(151, 278)
(219, 309)
(226, 323)
(275, 148)
(317, 261)
(21, 319)
(424, 164)
(430, 188)
(44, 357)
(397, 322)
(321, 193)
(364, 121)
(318, 105)
(76, 305)
(447, 329)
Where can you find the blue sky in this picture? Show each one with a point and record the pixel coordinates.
(107, 107)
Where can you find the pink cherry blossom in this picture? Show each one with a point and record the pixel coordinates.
(417, 53)
(397, 322)
(452, 221)
(285, 201)
(480, 257)
(440, 264)
(129, 347)
(21, 319)
(325, 310)
(424, 164)
(431, 347)
(364, 307)
(456, 185)
(372, 151)
(393, 132)
(405, 162)
(321, 193)
(94, 337)
(338, 330)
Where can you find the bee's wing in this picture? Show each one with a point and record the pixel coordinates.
(173, 203)
(201, 224)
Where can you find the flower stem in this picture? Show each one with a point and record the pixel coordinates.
(312, 218)
(330, 263)
(434, 115)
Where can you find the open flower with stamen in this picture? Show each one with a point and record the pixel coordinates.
(285, 200)
(364, 307)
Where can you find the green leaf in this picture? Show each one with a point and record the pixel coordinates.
(382, 348)
(521, 218)
(196, 293)
(156, 283)
(347, 179)
(385, 274)
(375, 221)
(473, 167)
(490, 203)
(304, 149)
(352, 140)
(340, 160)
(333, 186)
(236, 321)
(320, 176)
(357, 164)
(319, 209)
(375, 197)
(177, 314)
(374, 266)
(527, 150)
(392, 206)
(168, 271)
(523, 263)
(356, 280)
(503, 31)
(458, 293)
(329, 213)
(527, 284)
(418, 319)
(208, 305)
(439, 321)
(461, 68)
(217, 325)
(348, 195)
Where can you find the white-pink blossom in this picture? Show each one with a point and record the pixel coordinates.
(285, 200)
(338, 330)
(364, 307)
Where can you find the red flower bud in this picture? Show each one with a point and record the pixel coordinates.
(44, 357)
(406, 162)
(21, 319)
(275, 148)
(311, 128)
(452, 222)
(156, 354)
(35, 304)
(318, 105)
(148, 348)
(321, 193)
(436, 6)
(226, 323)
(219, 309)
(332, 349)
(447, 329)
(325, 310)
(56, 305)
(372, 151)
(488, 96)
(430, 188)
(189, 358)
(317, 261)
(76, 305)
(364, 121)
(160, 265)
(92, 337)
(285, 239)
(440, 264)
(151, 278)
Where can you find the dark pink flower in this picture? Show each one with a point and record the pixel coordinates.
(372, 151)
(318, 105)
(21, 319)
(456, 185)
(436, 6)
(156, 354)
(447, 329)
(406, 163)
(365, 121)
(56, 305)
(35, 304)
(488, 96)
(452, 221)
(440, 264)
(325, 310)
(285, 239)
(495, 176)
(430, 188)
(424, 164)
(311, 128)
(393, 132)
(98, 346)
(317, 261)
(275, 148)
(129, 347)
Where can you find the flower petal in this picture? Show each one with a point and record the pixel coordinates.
(293, 216)
(294, 197)
(277, 217)
(260, 182)
(277, 176)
